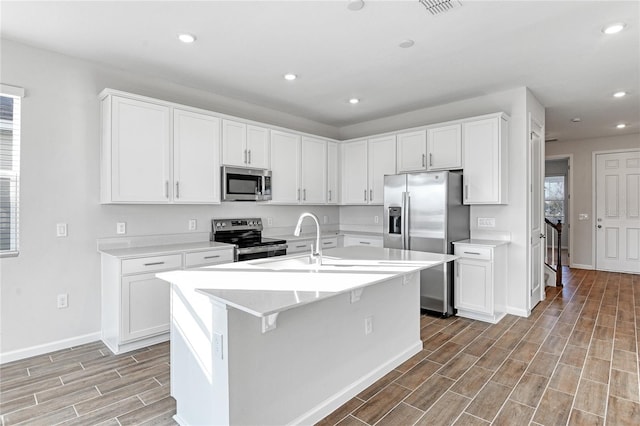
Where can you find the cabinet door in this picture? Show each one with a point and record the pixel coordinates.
(314, 171)
(482, 162)
(285, 167)
(444, 148)
(140, 156)
(473, 286)
(257, 147)
(145, 307)
(354, 240)
(354, 173)
(382, 161)
(332, 173)
(299, 246)
(196, 161)
(412, 151)
(234, 143)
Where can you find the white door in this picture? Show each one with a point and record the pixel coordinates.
(196, 158)
(382, 161)
(618, 212)
(145, 306)
(536, 214)
(314, 170)
(285, 168)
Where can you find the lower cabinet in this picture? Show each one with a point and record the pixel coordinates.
(304, 245)
(136, 307)
(357, 240)
(480, 276)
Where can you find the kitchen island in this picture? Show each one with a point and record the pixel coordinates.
(281, 341)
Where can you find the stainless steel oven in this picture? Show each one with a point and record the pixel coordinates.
(246, 235)
(245, 184)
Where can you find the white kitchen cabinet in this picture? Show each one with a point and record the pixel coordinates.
(135, 153)
(412, 151)
(359, 240)
(364, 164)
(313, 171)
(244, 145)
(135, 304)
(332, 173)
(143, 163)
(480, 280)
(303, 245)
(196, 158)
(444, 147)
(485, 143)
(285, 168)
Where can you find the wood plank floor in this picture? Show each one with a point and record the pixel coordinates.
(574, 361)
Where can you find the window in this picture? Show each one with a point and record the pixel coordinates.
(554, 198)
(10, 98)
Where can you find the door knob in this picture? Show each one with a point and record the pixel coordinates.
(599, 226)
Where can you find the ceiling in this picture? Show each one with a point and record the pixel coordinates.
(243, 48)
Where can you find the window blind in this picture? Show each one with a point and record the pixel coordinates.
(9, 170)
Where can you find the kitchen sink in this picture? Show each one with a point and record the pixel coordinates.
(328, 263)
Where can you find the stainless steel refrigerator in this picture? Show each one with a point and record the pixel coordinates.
(424, 212)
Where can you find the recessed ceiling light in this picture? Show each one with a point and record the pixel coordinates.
(186, 38)
(290, 76)
(406, 43)
(354, 101)
(613, 28)
(621, 126)
(576, 119)
(355, 4)
(620, 94)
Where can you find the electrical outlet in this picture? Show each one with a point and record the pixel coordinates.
(61, 230)
(486, 222)
(121, 228)
(376, 219)
(218, 345)
(368, 325)
(193, 224)
(63, 300)
(270, 221)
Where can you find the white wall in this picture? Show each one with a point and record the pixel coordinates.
(60, 183)
(582, 151)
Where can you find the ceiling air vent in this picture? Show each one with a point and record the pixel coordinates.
(436, 7)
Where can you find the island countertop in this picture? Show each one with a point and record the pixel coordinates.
(264, 287)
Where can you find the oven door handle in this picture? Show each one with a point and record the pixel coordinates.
(260, 249)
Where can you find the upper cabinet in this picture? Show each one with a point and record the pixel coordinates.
(285, 167)
(142, 163)
(245, 145)
(412, 151)
(313, 171)
(444, 147)
(364, 164)
(485, 160)
(332, 173)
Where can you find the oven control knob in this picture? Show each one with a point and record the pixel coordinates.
(250, 223)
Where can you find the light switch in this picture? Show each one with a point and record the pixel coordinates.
(583, 216)
(486, 222)
(121, 228)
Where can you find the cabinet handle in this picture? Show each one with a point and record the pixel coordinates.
(304, 194)
(371, 195)
(249, 156)
(366, 243)
(302, 246)
(298, 194)
(472, 252)
(166, 189)
(423, 161)
(329, 195)
(153, 264)
(365, 195)
(245, 156)
(326, 243)
(177, 189)
(466, 192)
(430, 159)
(212, 257)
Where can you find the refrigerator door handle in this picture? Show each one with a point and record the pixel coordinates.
(405, 220)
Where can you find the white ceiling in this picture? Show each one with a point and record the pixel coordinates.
(556, 48)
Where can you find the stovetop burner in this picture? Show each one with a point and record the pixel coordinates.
(241, 232)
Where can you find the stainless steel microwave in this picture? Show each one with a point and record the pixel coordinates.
(245, 184)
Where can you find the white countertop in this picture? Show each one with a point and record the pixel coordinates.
(312, 236)
(267, 286)
(161, 249)
(485, 243)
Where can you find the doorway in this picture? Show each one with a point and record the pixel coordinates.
(617, 211)
(557, 206)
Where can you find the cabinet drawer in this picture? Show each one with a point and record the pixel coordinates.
(329, 242)
(209, 257)
(151, 264)
(298, 246)
(473, 252)
(353, 240)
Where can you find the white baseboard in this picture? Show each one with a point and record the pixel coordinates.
(519, 312)
(580, 266)
(335, 401)
(48, 347)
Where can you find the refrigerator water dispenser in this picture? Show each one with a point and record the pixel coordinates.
(395, 220)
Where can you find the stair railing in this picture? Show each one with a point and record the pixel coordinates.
(553, 257)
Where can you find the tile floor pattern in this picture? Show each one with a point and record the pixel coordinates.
(574, 361)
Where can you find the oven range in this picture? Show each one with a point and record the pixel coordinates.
(246, 234)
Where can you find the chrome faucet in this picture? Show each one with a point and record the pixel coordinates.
(316, 255)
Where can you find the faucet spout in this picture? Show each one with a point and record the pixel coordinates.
(316, 254)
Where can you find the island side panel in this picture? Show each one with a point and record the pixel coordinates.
(319, 357)
(199, 375)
